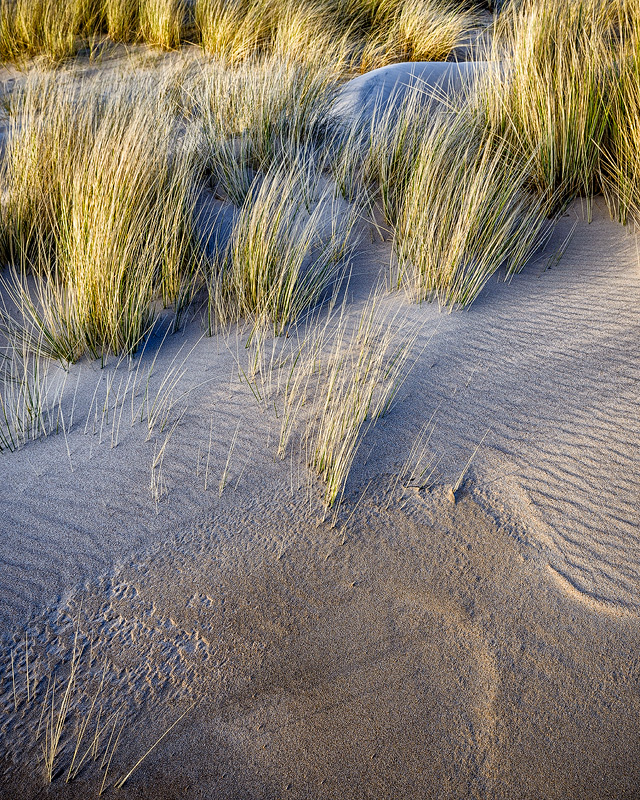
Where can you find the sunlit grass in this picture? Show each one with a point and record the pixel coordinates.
(415, 30)
(550, 98)
(162, 22)
(361, 33)
(101, 192)
(620, 162)
(465, 213)
(288, 244)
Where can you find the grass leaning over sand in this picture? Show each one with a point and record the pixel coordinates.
(551, 100)
(30, 397)
(289, 243)
(330, 382)
(101, 190)
(465, 213)
(362, 376)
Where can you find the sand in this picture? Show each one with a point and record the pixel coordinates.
(417, 648)
(375, 91)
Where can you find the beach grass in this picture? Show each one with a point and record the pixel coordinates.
(550, 99)
(289, 243)
(98, 213)
(101, 177)
(261, 114)
(465, 213)
(367, 33)
(619, 160)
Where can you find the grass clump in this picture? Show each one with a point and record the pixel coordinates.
(258, 115)
(356, 388)
(289, 243)
(52, 27)
(620, 162)
(162, 22)
(549, 100)
(227, 30)
(101, 191)
(378, 155)
(122, 20)
(414, 30)
(330, 381)
(465, 213)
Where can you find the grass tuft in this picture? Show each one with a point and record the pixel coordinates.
(101, 192)
(289, 243)
(466, 212)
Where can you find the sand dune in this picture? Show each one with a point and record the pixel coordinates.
(482, 649)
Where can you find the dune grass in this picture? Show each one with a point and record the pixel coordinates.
(360, 33)
(121, 20)
(245, 29)
(550, 99)
(53, 27)
(355, 388)
(30, 397)
(77, 717)
(379, 154)
(330, 381)
(465, 213)
(414, 30)
(367, 33)
(258, 115)
(290, 241)
(98, 213)
(162, 22)
(620, 164)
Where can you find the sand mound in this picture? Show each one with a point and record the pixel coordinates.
(377, 89)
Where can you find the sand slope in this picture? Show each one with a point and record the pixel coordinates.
(484, 649)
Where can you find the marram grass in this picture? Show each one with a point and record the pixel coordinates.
(362, 33)
(101, 193)
(620, 165)
(289, 243)
(550, 99)
(465, 213)
(258, 115)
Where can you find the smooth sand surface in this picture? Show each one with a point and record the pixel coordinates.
(419, 648)
(385, 88)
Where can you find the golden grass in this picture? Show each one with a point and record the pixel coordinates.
(53, 27)
(162, 22)
(101, 192)
(259, 114)
(465, 213)
(356, 31)
(415, 30)
(288, 245)
(620, 162)
(550, 99)
(330, 381)
(122, 20)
